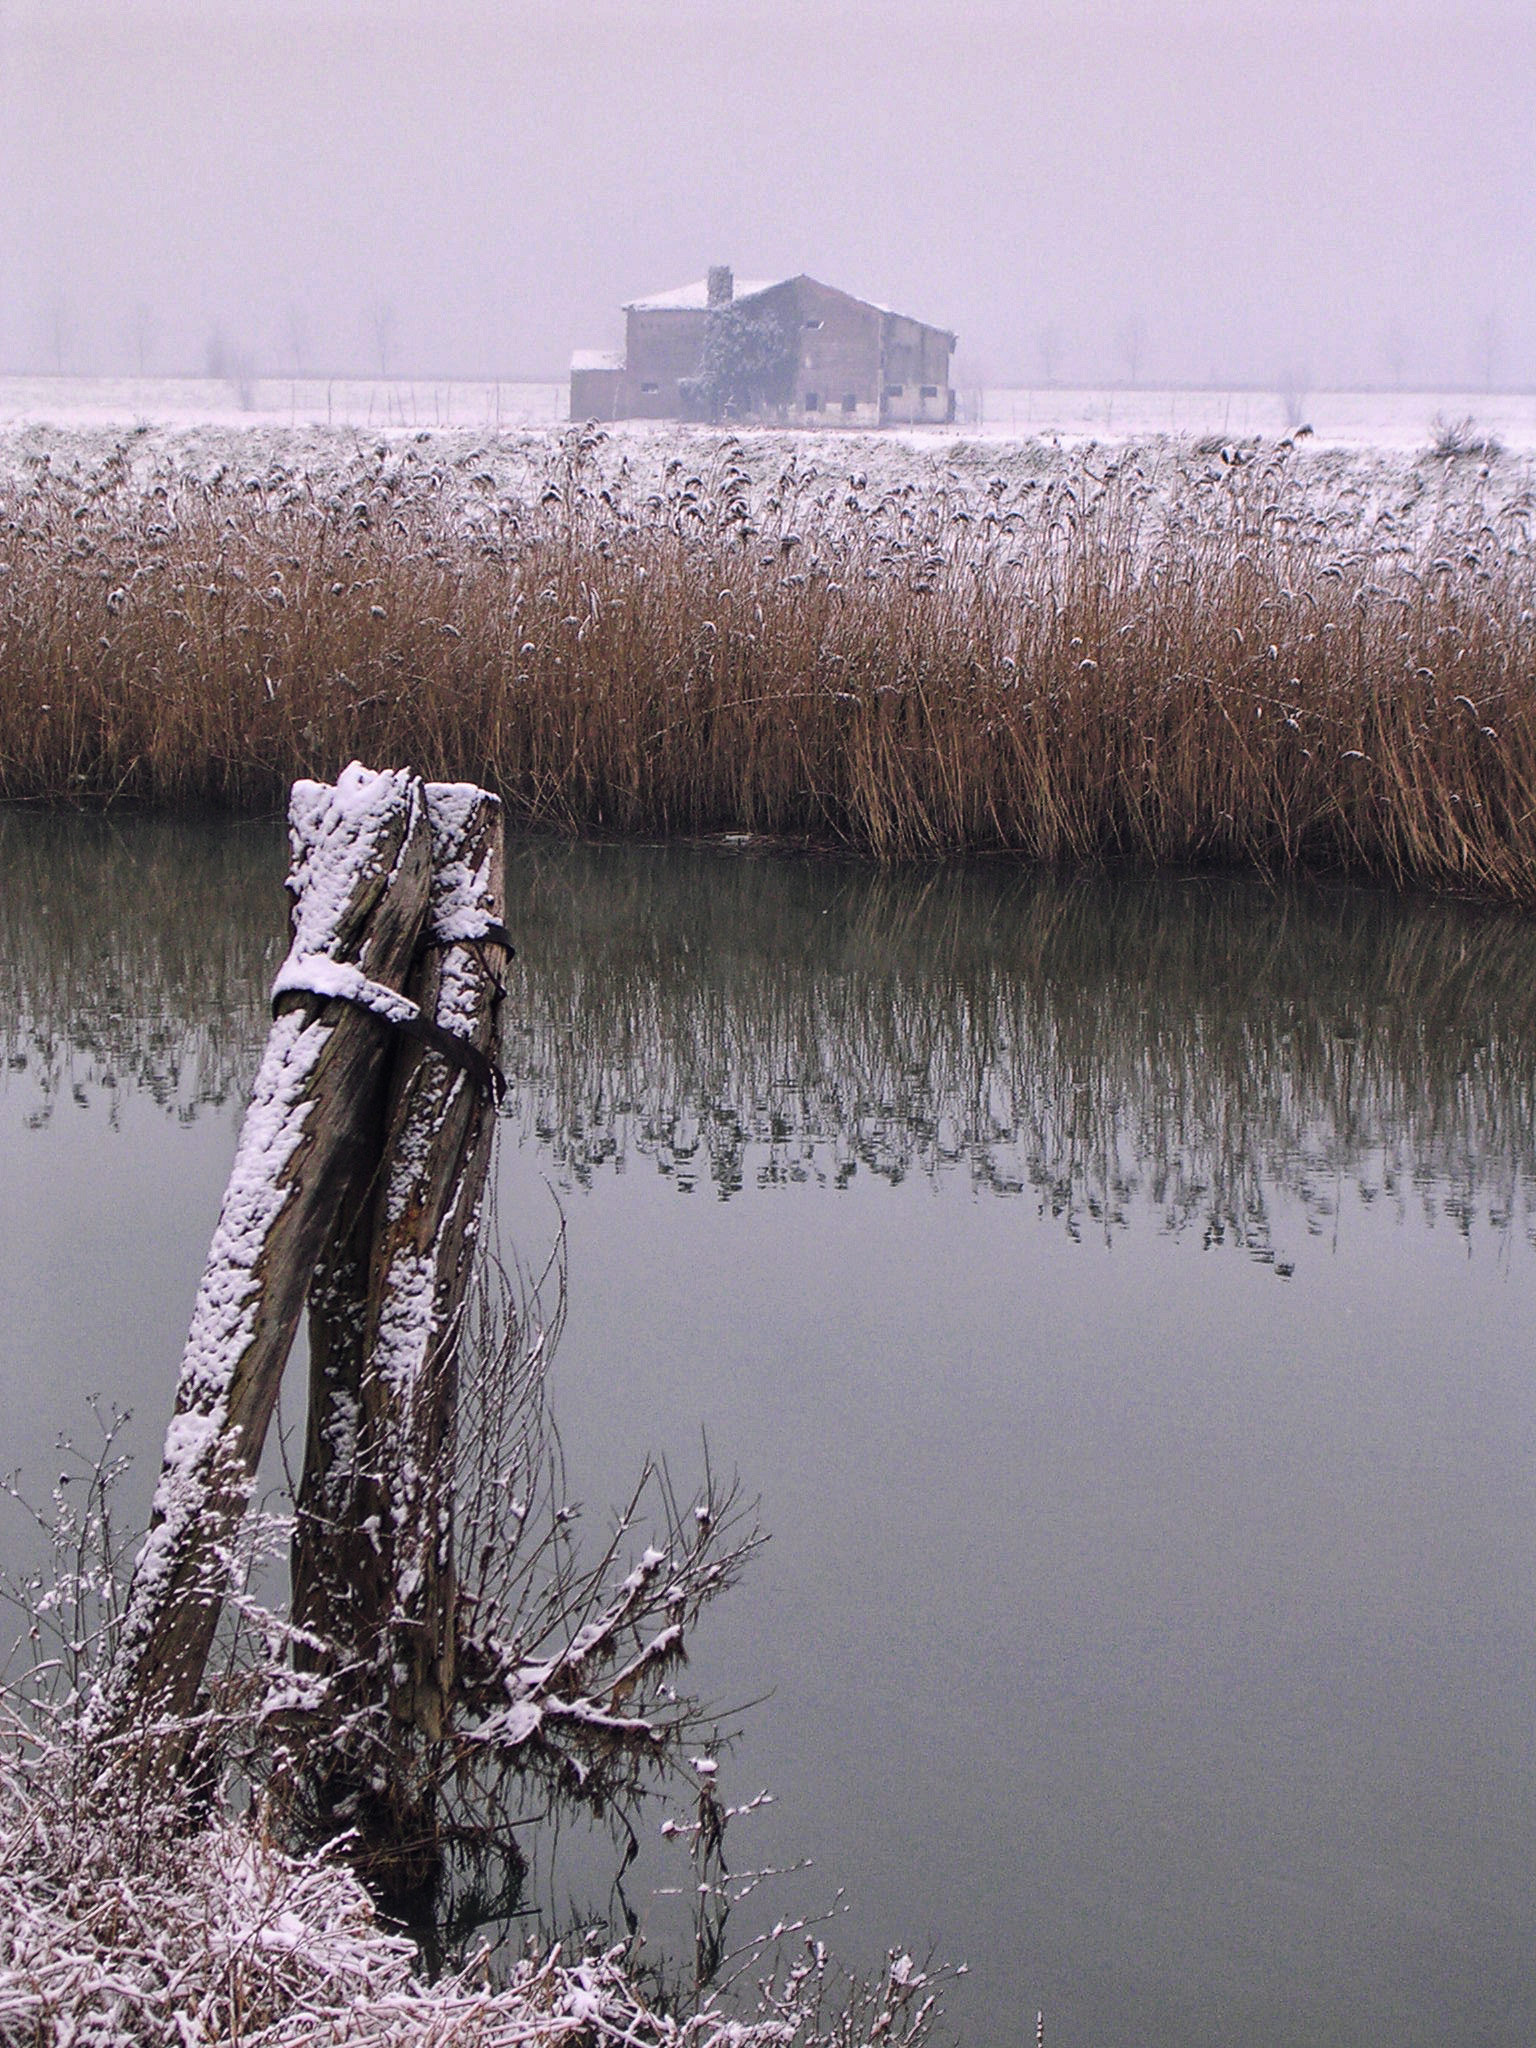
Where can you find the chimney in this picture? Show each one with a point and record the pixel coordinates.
(722, 285)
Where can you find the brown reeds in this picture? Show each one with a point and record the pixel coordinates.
(1216, 666)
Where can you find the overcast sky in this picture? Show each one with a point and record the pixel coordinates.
(1339, 193)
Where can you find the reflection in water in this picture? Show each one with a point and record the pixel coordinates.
(1189, 1048)
(1154, 1637)
(136, 954)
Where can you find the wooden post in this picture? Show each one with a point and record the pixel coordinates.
(330, 1552)
(436, 1152)
(390, 1281)
(360, 875)
(373, 1572)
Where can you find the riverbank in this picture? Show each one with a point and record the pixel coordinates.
(125, 1918)
(1250, 655)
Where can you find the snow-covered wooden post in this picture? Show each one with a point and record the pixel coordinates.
(373, 1554)
(437, 1149)
(360, 882)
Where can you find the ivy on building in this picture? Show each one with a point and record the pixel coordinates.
(747, 365)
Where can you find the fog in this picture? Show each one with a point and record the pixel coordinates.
(1159, 190)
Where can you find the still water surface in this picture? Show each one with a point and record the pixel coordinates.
(1122, 1295)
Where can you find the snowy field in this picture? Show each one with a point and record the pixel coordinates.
(1397, 420)
(366, 403)
(1388, 420)
(1366, 478)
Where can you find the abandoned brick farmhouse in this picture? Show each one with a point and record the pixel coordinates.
(783, 349)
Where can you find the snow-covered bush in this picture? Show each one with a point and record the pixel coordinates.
(144, 1907)
(133, 1915)
(126, 1919)
(1458, 439)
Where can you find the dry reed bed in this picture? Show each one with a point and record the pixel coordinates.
(1165, 659)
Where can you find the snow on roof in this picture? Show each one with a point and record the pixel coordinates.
(694, 298)
(597, 359)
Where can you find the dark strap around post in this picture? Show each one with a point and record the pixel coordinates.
(334, 981)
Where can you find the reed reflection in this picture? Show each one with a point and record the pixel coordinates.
(136, 954)
(1184, 1051)
(1182, 1048)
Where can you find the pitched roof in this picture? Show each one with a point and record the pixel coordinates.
(694, 298)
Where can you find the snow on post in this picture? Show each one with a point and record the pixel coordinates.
(360, 883)
(373, 1560)
(436, 1154)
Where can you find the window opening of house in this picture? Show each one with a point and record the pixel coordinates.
(930, 391)
(650, 387)
(813, 401)
(895, 390)
(850, 403)
(813, 327)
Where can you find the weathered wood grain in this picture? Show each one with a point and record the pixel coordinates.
(360, 880)
(373, 1572)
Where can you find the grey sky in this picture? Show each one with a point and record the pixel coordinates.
(1345, 192)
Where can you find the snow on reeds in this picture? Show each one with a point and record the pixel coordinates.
(125, 1920)
(1256, 657)
(147, 1909)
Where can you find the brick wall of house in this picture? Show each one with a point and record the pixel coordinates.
(661, 347)
(916, 383)
(837, 360)
(598, 395)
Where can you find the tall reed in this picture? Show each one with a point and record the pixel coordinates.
(1218, 668)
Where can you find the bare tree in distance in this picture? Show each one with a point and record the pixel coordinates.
(1489, 348)
(141, 331)
(296, 338)
(1294, 383)
(61, 328)
(382, 320)
(242, 378)
(1133, 343)
(232, 365)
(1394, 354)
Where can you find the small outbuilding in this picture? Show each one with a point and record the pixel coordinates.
(788, 350)
(597, 380)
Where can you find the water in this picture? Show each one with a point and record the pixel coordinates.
(1120, 1294)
